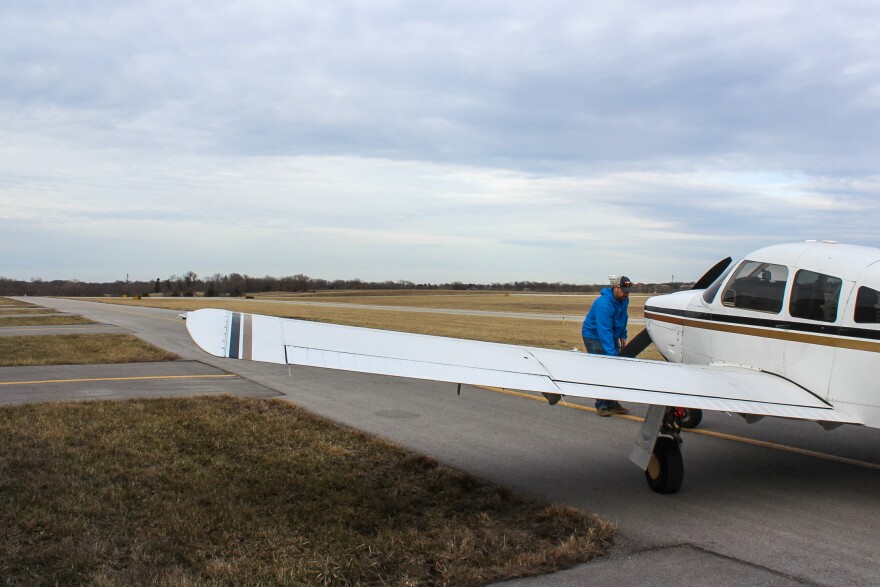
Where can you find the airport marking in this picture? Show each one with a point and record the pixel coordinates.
(141, 378)
(721, 435)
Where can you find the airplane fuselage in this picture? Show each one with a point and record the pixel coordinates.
(808, 312)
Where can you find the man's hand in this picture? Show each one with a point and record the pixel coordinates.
(622, 342)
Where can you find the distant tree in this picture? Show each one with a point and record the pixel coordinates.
(236, 284)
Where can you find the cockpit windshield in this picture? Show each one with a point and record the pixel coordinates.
(756, 286)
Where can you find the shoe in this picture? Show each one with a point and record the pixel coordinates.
(604, 412)
(618, 409)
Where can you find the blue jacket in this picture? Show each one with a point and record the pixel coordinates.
(606, 320)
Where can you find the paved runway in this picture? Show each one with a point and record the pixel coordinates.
(746, 515)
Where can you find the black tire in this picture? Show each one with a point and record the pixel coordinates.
(666, 471)
(691, 418)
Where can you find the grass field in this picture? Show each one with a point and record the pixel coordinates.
(497, 302)
(10, 302)
(43, 320)
(78, 349)
(231, 491)
(26, 310)
(554, 334)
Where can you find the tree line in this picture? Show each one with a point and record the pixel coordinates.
(236, 285)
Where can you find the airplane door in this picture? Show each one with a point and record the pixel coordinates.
(854, 379)
(746, 314)
(816, 308)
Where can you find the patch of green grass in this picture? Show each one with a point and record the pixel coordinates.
(43, 320)
(78, 349)
(238, 491)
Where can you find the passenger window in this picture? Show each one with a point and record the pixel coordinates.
(814, 296)
(756, 286)
(867, 306)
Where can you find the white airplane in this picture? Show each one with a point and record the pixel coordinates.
(791, 331)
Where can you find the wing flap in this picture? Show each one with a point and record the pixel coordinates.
(689, 400)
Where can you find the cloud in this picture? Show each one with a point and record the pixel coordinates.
(433, 141)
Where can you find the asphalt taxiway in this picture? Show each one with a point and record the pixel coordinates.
(798, 508)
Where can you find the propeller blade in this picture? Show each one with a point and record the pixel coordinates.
(712, 274)
(639, 343)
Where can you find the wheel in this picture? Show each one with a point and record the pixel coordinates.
(691, 418)
(666, 470)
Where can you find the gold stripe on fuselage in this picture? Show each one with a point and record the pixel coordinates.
(858, 344)
(247, 336)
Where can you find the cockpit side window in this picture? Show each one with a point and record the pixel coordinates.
(756, 286)
(814, 296)
(712, 290)
(867, 306)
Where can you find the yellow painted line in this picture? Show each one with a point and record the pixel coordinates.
(786, 448)
(752, 441)
(146, 377)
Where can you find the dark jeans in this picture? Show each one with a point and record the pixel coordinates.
(594, 347)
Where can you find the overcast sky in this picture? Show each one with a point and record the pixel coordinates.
(431, 141)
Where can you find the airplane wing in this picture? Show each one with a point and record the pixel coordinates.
(237, 335)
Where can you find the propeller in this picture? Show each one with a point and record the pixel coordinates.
(641, 341)
(712, 274)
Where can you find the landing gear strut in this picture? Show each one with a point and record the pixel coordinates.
(660, 456)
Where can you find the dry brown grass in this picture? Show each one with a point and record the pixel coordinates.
(229, 491)
(43, 320)
(568, 304)
(552, 334)
(18, 303)
(26, 310)
(78, 349)
(534, 303)
(333, 293)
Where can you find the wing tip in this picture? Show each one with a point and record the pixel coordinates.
(208, 328)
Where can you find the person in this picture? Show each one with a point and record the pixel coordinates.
(604, 330)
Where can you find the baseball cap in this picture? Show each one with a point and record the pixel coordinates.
(623, 281)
